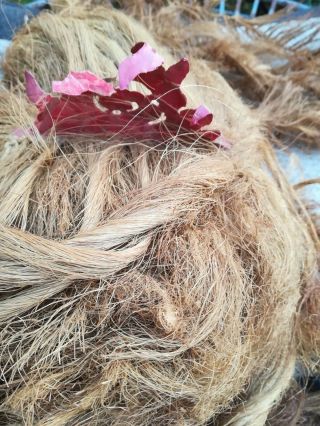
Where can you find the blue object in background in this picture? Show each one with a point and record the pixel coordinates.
(223, 8)
(13, 16)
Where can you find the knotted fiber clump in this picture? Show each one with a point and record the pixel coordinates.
(142, 283)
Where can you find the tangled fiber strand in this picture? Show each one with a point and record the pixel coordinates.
(140, 283)
(176, 336)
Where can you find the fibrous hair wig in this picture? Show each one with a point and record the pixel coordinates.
(143, 282)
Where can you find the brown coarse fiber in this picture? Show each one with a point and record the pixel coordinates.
(143, 283)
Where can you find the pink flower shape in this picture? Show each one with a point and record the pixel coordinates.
(201, 113)
(85, 104)
(143, 59)
(77, 83)
(33, 90)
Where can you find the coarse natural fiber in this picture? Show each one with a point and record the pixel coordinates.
(144, 284)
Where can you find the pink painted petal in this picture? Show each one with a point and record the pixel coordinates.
(201, 112)
(77, 83)
(141, 61)
(223, 142)
(34, 92)
(19, 133)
